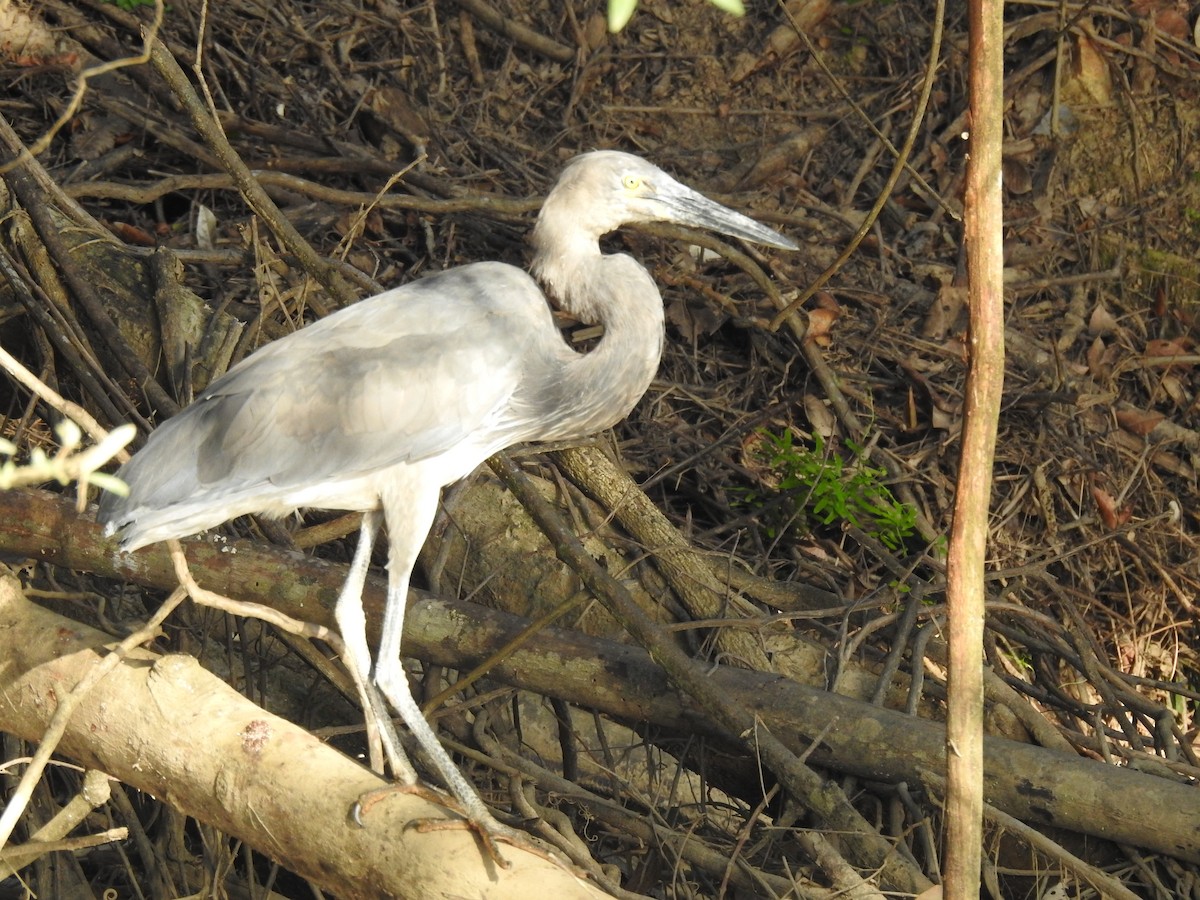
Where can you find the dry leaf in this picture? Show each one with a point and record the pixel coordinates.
(26, 41)
(1170, 348)
(924, 398)
(1109, 513)
(820, 326)
(694, 320)
(911, 420)
(944, 312)
(206, 227)
(1090, 74)
(1175, 389)
(816, 551)
(393, 107)
(826, 300)
(822, 420)
(1137, 421)
(1160, 300)
(132, 234)
(354, 224)
(1016, 175)
(1100, 359)
(1170, 21)
(595, 33)
(940, 420)
(94, 135)
(1101, 321)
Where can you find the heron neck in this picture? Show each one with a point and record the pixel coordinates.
(614, 291)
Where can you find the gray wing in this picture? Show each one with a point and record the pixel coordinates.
(402, 376)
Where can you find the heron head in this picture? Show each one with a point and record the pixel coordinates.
(605, 189)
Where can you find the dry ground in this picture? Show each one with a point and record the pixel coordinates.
(1093, 550)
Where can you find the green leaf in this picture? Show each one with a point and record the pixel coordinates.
(619, 14)
(733, 7)
(110, 483)
(621, 11)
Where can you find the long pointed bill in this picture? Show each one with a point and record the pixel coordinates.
(688, 207)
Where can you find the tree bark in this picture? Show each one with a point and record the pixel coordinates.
(983, 216)
(169, 728)
(1040, 786)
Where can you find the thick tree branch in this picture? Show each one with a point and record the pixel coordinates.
(169, 728)
(1034, 784)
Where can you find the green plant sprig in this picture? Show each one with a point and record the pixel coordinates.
(829, 489)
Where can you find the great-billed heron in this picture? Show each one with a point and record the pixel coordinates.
(380, 405)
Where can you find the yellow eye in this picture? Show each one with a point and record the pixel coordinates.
(631, 182)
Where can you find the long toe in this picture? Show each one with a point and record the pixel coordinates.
(365, 803)
(490, 832)
(486, 826)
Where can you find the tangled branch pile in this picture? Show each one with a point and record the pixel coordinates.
(799, 479)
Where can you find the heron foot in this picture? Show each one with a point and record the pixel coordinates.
(490, 834)
(367, 801)
(489, 830)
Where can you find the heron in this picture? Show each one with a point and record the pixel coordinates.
(380, 405)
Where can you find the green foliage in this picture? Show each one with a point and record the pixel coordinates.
(621, 11)
(130, 5)
(826, 489)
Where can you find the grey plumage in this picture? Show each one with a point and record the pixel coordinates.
(378, 406)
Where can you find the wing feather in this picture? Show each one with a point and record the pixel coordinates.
(403, 376)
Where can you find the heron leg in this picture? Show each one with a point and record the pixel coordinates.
(410, 514)
(352, 625)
